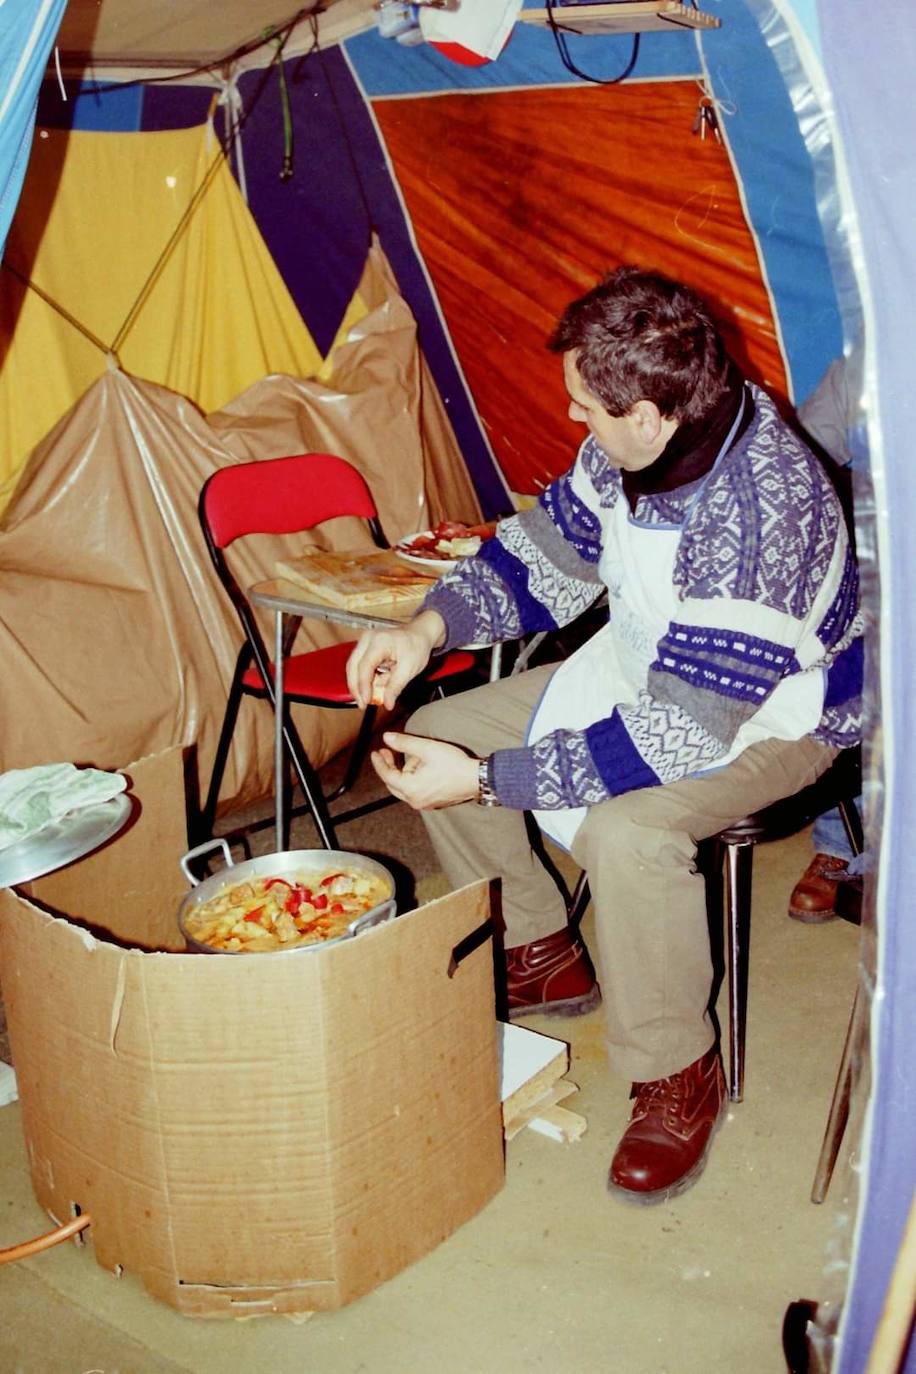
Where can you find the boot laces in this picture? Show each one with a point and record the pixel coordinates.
(660, 1092)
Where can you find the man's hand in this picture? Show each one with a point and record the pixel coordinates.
(402, 652)
(433, 773)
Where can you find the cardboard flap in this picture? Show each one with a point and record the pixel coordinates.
(276, 1132)
(120, 888)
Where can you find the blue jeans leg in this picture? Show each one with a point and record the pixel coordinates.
(829, 836)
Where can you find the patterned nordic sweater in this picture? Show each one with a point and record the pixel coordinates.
(762, 547)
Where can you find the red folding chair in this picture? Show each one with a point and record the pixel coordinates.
(286, 496)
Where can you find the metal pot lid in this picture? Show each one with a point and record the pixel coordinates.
(63, 841)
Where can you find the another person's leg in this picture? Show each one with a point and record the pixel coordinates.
(548, 968)
(814, 896)
(654, 959)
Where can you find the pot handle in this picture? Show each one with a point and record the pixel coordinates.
(217, 843)
(386, 911)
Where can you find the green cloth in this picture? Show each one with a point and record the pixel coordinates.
(32, 797)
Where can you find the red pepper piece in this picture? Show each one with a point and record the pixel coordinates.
(336, 908)
(326, 882)
(320, 902)
(272, 882)
(298, 895)
(254, 915)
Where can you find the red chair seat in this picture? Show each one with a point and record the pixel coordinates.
(458, 661)
(321, 674)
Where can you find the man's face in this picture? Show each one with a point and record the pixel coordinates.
(619, 435)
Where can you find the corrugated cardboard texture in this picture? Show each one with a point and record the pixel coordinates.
(118, 887)
(265, 1133)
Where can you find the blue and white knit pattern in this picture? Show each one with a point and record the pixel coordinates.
(539, 573)
(766, 589)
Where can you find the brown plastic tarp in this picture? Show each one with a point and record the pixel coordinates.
(116, 637)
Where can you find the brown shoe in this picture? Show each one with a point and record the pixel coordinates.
(664, 1148)
(848, 903)
(553, 976)
(813, 897)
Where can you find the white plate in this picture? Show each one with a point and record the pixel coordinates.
(423, 560)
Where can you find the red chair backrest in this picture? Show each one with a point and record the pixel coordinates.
(282, 496)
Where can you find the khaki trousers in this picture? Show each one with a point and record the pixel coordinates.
(639, 851)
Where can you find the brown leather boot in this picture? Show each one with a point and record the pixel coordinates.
(813, 897)
(553, 976)
(664, 1148)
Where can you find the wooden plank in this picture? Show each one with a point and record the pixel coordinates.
(628, 16)
(560, 1090)
(559, 1124)
(357, 580)
(529, 1065)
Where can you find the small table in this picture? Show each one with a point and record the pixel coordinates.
(285, 598)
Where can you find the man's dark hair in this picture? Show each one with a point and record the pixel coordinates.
(641, 335)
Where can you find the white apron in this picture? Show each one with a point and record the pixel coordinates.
(637, 567)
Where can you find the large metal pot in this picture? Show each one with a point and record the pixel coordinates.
(292, 863)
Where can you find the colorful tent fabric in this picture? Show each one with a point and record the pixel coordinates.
(340, 193)
(116, 637)
(27, 29)
(521, 200)
(171, 275)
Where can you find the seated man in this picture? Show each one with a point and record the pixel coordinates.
(726, 677)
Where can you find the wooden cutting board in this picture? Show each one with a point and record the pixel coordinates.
(358, 581)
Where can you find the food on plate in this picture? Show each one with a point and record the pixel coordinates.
(280, 913)
(450, 539)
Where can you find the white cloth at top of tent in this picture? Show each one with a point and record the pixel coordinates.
(482, 26)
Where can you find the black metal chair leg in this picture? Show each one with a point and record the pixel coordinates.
(357, 753)
(207, 816)
(852, 824)
(839, 1112)
(310, 784)
(739, 863)
(579, 900)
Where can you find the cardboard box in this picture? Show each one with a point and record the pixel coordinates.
(249, 1134)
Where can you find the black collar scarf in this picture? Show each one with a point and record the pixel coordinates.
(694, 446)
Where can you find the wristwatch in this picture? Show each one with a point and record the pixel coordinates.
(486, 793)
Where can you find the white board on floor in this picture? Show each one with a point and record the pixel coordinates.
(525, 1054)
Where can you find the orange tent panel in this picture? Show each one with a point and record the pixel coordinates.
(521, 200)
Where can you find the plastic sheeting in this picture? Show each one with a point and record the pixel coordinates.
(116, 637)
(97, 214)
(816, 123)
(521, 200)
(853, 114)
(339, 195)
(870, 83)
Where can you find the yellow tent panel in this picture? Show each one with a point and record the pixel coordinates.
(145, 241)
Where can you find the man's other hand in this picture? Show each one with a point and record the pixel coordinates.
(431, 774)
(401, 653)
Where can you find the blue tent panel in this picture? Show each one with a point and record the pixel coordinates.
(27, 29)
